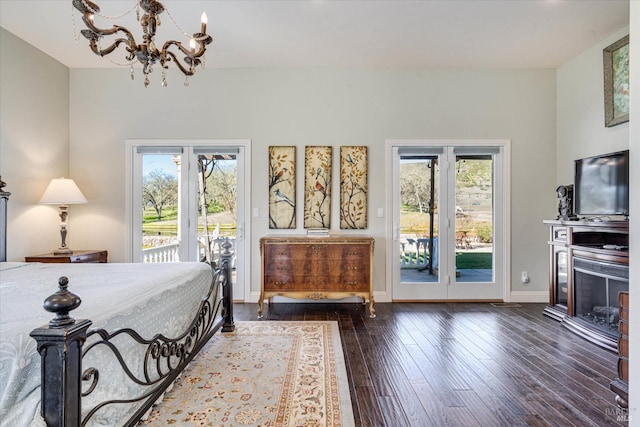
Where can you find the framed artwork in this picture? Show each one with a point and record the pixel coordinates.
(282, 187)
(353, 187)
(317, 187)
(616, 82)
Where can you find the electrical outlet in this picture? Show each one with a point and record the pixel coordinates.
(525, 277)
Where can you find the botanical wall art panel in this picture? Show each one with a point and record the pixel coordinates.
(317, 187)
(353, 187)
(282, 187)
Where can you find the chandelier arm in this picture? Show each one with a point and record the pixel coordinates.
(107, 31)
(189, 53)
(93, 44)
(167, 56)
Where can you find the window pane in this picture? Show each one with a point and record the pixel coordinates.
(217, 202)
(418, 218)
(160, 207)
(474, 218)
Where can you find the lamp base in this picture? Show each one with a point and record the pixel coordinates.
(63, 251)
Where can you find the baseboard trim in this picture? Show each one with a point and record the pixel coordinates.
(529, 296)
(515, 296)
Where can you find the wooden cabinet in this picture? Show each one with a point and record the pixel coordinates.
(95, 256)
(620, 385)
(329, 267)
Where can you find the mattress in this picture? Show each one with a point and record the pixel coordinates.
(149, 298)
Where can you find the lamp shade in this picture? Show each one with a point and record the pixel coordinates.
(62, 192)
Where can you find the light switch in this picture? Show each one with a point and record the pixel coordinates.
(380, 213)
(256, 212)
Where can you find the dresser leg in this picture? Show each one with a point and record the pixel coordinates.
(372, 311)
(260, 306)
(622, 402)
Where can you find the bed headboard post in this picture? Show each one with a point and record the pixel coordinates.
(226, 260)
(60, 347)
(4, 199)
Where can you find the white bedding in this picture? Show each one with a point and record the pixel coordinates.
(149, 298)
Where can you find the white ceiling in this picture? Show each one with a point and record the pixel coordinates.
(344, 33)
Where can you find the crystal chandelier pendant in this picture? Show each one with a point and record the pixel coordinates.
(132, 76)
(146, 81)
(164, 79)
(186, 82)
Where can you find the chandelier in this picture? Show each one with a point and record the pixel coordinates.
(146, 52)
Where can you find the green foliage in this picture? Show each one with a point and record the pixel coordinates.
(474, 260)
(485, 233)
(150, 215)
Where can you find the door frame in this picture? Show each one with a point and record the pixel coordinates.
(505, 230)
(243, 226)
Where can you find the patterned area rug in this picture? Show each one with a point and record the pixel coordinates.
(266, 373)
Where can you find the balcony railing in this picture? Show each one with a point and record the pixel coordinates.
(170, 252)
(414, 253)
(164, 253)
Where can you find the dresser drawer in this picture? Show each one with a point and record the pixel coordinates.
(623, 327)
(623, 369)
(623, 346)
(317, 268)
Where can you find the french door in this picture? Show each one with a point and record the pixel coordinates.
(449, 220)
(186, 199)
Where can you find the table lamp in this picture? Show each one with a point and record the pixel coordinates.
(63, 192)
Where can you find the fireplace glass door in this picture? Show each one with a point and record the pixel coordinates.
(596, 287)
(561, 270)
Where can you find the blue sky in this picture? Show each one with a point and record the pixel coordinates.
(151, 162)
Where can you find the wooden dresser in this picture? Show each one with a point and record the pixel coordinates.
(621, 384)
(328, 267)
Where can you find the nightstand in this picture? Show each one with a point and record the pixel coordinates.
(75, 257)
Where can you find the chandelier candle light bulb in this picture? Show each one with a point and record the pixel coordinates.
(203, 20)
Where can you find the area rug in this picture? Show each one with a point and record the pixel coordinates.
(266, 373)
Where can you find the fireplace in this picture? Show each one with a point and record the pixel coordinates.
(589, 267)
(596, 285)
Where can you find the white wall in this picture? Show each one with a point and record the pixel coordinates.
(34, 144)
(634, 237)
(581, 129)
(317, 107)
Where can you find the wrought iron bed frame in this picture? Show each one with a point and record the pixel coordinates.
(60, 344)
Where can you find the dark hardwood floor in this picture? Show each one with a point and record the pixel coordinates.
(461, 364)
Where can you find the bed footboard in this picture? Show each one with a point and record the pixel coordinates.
(61, 345)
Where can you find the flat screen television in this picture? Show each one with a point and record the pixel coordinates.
(601, 185)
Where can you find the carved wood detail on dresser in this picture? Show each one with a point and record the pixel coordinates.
(330, 267)
(621, 384)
